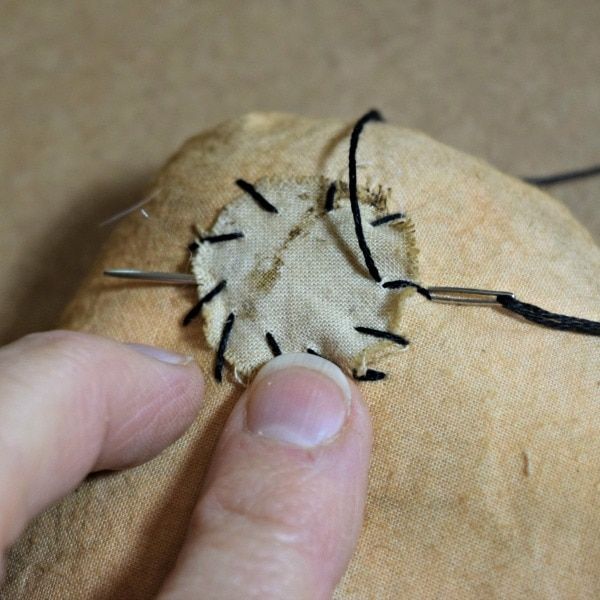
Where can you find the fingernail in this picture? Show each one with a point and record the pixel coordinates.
(161, 354)
(299, 399)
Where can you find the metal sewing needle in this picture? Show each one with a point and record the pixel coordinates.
(153, 276)
(459, 295)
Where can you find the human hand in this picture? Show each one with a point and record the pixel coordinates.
(283, 499)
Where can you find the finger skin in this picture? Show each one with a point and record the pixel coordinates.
(275, 520)
(72, 403)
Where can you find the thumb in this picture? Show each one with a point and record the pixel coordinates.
(283, 500)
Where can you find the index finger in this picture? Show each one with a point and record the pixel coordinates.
(72, 403)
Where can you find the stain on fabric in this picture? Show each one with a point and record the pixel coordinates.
(296, 272)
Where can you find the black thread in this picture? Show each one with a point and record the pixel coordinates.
(548, 319)
(385, 335)
(403, 283)
(223, 237)
(387, 219)
(370, 375)
(193, 247)
(256, 196)
(330, 197)
(220, 358)
(195, 311)
(273, 345)
(562, 177)
(372, 115)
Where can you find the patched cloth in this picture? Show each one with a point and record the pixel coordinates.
(485, 476)
(292, 273)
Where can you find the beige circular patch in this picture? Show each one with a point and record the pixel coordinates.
(298, 275)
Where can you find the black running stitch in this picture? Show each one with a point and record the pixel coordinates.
(256, 196)
(195, 311)
(387, 219)
(273, 345)
(385, 335)
(370, 375)
(372, 115)
(214, 239)
(220, 358)
(223, 237)
(329, 199)
(403, 283)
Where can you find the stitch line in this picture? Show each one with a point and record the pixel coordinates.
(195, 311)
(220, 357)
(388, 219)
(330, 197)
(385, 335)
(273, 345)
(403, 283)
(223, 237)
(256, 196)
(370, 375)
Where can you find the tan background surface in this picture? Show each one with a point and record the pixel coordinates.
(95, 95)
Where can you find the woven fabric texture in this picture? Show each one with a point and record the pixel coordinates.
(297, 275)
(484, 479)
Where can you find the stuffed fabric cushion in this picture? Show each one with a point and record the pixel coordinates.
(485, 478)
